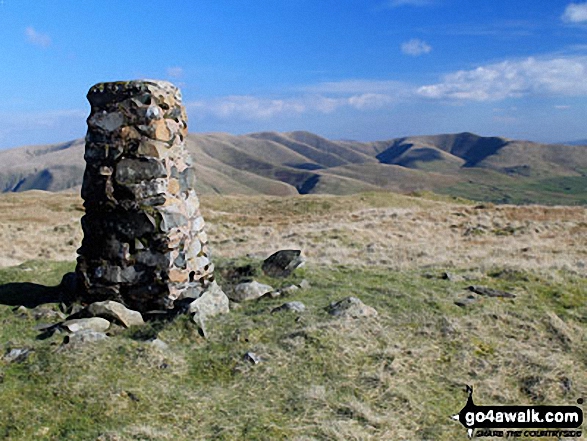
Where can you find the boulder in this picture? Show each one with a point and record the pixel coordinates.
(17, 355)
(290, 306)
(212, 302)
(282, 263)
(351, 307)
(117, 312)
(96, 324)
(249, 291)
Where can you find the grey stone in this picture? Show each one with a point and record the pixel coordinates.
(351, 307)
(249, 291)
(17, 355)
(290, 306)
(43, 313)
(212, 302)
(85, 336)
(133, 171)
(96, 324)
(117, 312)
(289, 289)
(304, 284)
(282, 263)
(452, 277)
(171, 218)
(251, 357)
(159, 344)
(154, 259)
(106, 121)
(116, 274)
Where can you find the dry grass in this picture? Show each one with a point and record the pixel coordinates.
(395, 377)
(376, 229)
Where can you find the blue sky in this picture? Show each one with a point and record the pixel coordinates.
(345, 69)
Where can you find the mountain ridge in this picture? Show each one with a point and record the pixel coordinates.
(300, 162)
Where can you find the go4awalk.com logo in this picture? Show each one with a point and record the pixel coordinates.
(517, 421)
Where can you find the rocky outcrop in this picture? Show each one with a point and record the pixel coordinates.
(144, 241)
(282, 263)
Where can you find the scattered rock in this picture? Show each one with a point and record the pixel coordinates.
(304, 284)
(490, 292)
(42, 313)
(159, 344)
(251, 357)
(212, 302)
(85, 336)
(290, 306)
(270, 295)
(249, 291)
(282, 263)
(467, 301)
(289, 289)
(21, 310)
(96, 324)
(17, 355)
(351, 307)
(117, 312)
(451, 277)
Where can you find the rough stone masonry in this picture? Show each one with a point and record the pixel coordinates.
(144, 241)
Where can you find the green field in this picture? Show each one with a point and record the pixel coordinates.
(397, 376)
(565, 190)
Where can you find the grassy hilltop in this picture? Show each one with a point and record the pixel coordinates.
(397, 376)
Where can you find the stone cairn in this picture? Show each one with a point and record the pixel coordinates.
(144, 241)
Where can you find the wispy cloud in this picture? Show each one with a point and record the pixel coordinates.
(554, 76)
(175, 72)
(415, 47)
(575, 13)
(37, 38)
(248, 107)
(563, 76)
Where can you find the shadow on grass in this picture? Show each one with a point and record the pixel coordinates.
(29, 294)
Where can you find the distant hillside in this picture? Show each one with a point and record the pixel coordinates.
(464, 164)
(577, 142)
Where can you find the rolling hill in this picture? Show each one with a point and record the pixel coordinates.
(486, 168)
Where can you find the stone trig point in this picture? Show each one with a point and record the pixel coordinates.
(144, 242)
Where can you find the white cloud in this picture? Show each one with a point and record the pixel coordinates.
(415, 47)
(575, 13)
(247, 107)
(37, 38)
(563, 76)
(175, 72)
